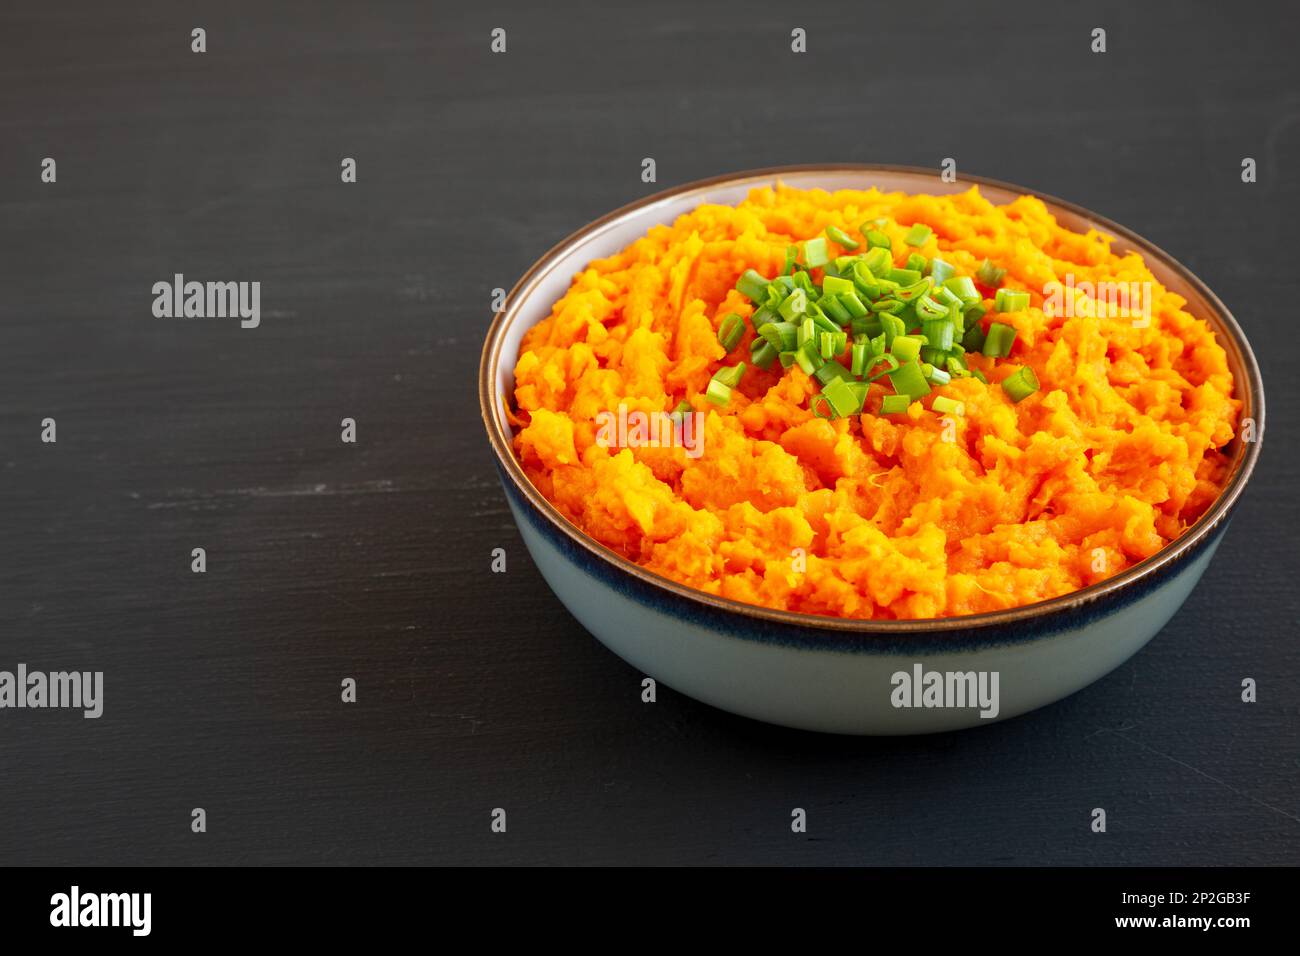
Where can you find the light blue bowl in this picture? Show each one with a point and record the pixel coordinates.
(834, 675)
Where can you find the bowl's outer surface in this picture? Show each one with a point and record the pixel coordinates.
(827, 674)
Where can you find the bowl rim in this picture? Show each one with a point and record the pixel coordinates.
(1222, 320)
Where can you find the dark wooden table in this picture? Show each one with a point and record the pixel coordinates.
(370, 560)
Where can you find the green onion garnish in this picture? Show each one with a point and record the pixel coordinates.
(894, 404)
(964, 289)
(949, 406)
(762, 353)
(1020, 384)
(731, 331)
(941, 271)
(796, 303)
(842, 398)
(752, 285)
(997, 343)
(840, 237)
(908, 379)
(1009, 301)
(875, 239)
(730, 375)
(717, 393)
(815, 253)
(989, 274)
(918, 235)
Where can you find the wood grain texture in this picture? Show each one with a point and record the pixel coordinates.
(371, 561)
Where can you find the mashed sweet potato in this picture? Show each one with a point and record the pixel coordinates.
(916, 515)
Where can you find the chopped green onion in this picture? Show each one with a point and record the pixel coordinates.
(894, 404)
(905, 277)
(893, 327)
(989, 274)
(935, 376)
(791, 259)
(998, 342)
(787, 358)
(828, 345)
(812, 405)
(731, 331)
(908, 379)
(876, 240)
(939, 333)
(751, 285)
(860, 354)
(833, 286)
(824, 322)
(906, 347)
(918, 262)
(782, 335)
(681, 408)
(973, 340)
(949, 406)
(808, 358)
(853, 305)
(832, 307)
(1008, 301)
(979, 375)
(842, 398)
(963, 288)
(815, 253)
(878, 261)
(941, 271)
(840, 237)
(831, 371)
(762, 353)
(918, 235)
(1020, 384)
(927, 308)
(891, 363)
(718, 393)
(796, 303)
(730, 375)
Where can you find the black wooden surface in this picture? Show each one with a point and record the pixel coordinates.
(371, 560)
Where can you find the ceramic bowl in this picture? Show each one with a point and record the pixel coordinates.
(834, 675)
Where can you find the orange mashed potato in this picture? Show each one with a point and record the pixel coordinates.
(915, 515)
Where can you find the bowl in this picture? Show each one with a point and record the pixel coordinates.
(838, 675)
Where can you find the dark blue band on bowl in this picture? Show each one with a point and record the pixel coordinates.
(753, 627)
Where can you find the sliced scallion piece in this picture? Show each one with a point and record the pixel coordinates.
(1020, 384)
(894, 404)
(718, 393)
(815, 253)
(840, 237)
(842, 398)
(1010, 301)
(941, 271)
(731, 331)
(918, 235)
(989, 274)
(752, 285)
(908, 379)
(948, 406)
(997, 343)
